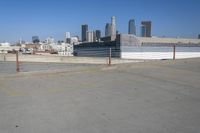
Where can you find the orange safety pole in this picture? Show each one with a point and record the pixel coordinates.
(174, 52)
(110, 54)
(17, 62)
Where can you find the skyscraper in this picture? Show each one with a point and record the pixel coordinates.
(94, 36)
(98, 35)
(143, 31)
(84, 32)
(113, 27)
(146, 28)
(108, 30)
(132, 27)
(90, 36)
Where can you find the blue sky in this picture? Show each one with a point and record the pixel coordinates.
(25, 18)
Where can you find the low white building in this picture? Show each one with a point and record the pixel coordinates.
(50, 40)
(65, 49)
(5, 47)
(48, 44)
(45, 47)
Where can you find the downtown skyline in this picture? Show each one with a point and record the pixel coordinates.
(52, 18)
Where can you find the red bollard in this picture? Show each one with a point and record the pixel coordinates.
(17, 62)
(174, 52)
(110, 54)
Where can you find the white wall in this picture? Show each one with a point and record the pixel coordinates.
(159, 55)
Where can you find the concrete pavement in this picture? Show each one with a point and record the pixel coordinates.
(149, 97)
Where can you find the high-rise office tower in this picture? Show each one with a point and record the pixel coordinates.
(131, 27)
(84, 32)
(94, 36)
(113, 27)
(143, 31)
(146, 28)
(108, 30)
(89, 36)
(98, 35)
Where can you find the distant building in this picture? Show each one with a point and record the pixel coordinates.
(45, 47)
(143, 31)
(131, 47)
(84, 32)
(108, 30)
(113, 27)
(68, 40)
(97, 49)
(65, 49)
(98, 35)
(199, 36)
(146, 28)
(50, 40)
(35, 39)
(74, 40)
(94, 36)
(32, 47)
(131, 27)
(6, 47)
(67, 36)
(90, 36)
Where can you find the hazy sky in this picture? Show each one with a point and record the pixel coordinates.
(25, 18)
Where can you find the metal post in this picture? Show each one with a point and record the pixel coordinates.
(110, 54)
(174, 52)
(4, 57)
(17, 62)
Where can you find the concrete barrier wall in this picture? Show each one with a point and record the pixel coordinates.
(127, 57)
(62, 59)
